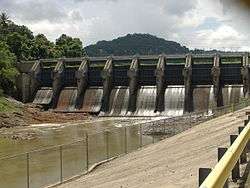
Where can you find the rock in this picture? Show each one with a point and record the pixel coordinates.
(4, 115)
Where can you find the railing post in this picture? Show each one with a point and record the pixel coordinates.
(236, 169)
(140, 136)
(164, 128)
(87, 151)
(153, 134)
(28, 169)
(125, 140)
(107, 144)
(232, 106)
(203, 174)
(246, 122)
(61, 165)
(221, 152)
(190, 117)
(243, 157)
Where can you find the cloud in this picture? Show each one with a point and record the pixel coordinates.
(172, 8)
(195, 23)
(34, 11)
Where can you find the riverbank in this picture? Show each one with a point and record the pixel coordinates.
(173, 162)
(16, 114)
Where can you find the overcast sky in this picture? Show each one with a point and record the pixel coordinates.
(194, 23)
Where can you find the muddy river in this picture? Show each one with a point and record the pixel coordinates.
(43, 166)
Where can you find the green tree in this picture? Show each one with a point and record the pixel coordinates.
(22, 30)
(4, 19)
(69, 47)
(42, 48)
(8, 71)
(19, 45)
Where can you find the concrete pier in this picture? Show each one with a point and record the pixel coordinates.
(187, 74)
(133, 74)
(82, 82)
(34, 78)
(107, 84)
(57, 76)
(160, 84)
(246, 75)
(216, 77)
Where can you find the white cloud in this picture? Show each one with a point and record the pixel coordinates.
(224, 37)
(195, 23)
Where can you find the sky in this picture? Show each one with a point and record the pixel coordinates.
(203, 24)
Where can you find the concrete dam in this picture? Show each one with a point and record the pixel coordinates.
(168, 85)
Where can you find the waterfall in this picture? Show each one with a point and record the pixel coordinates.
(124, 109)
(145, 104)
(43, 96)
(211, 100)
(174, 101)
(67, 99)
(236, 94)
(118, 104)
(232, 94)
(92, 101)
(201, 98)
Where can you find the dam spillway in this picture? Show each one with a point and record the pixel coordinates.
(92, 101)
(136, 86)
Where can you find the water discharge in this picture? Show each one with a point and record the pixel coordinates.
(67, 99)
(174, 101)
(145, 105)
(118, 104)
(92, 101)
(43, 96)
(203, 99)
(232, 94)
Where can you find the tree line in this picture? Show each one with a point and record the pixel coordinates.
(18, 43)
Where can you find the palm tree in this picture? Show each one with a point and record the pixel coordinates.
(4, 19)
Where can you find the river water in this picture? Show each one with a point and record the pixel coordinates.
(45, 165)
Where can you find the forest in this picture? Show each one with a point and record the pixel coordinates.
(18, 43)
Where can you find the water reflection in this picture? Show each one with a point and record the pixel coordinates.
(114, 137)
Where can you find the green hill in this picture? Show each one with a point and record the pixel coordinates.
(132, 44)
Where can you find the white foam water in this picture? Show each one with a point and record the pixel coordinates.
(92, 100)
(174, 101)
(118, 104)
(43, 96)
(145, 104)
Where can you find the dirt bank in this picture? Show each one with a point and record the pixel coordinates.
(173, 162)
(16, 114)
(26, 114)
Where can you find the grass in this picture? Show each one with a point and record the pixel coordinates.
(8, 106)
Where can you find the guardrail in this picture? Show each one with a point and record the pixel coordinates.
(229, 161)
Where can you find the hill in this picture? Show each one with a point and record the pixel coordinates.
(132, 44)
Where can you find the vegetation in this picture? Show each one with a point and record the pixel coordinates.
(17, 43)
(132, 44)
(7, 70)
(8, 106)
(26, 46)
